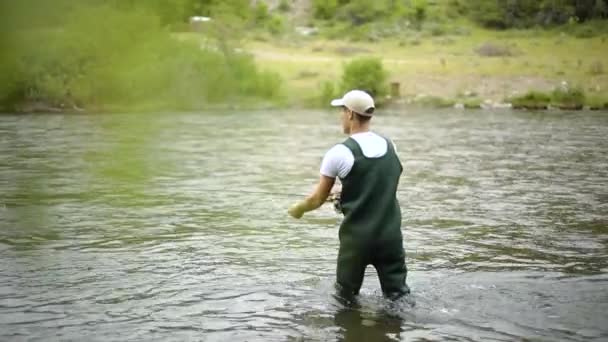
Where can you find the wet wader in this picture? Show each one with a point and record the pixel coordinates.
(370, 233)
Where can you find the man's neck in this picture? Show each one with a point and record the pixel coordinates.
(359, 129)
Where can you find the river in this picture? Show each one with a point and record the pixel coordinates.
(174, 226)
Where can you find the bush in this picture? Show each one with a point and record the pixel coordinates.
(365, 74)
(531, 100)
(284, 6)
(596, 68)
(434, 102)
(420, 12)
(490, 49)
(275, 24)
(596, 102)
(260, 12)
(568, 98)
(328, 93)
(124, 60)
(472, 103)
(562, 97)
(588, 29)
(499, 14)
(324, 9)
(437, 30)
(385, 15)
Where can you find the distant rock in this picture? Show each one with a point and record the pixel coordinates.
(490, 49)
(306, 30)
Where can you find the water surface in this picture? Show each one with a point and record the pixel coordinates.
(174, 227)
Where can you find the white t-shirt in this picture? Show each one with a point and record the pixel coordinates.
(339, 160)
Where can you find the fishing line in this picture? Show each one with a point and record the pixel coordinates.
(285, 194)
(253, 192)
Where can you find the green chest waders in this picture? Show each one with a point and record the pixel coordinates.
(370, 233)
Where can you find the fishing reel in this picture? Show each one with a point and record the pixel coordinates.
(335, 200)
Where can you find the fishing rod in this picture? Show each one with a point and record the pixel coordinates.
(285, 194)
(332, 198)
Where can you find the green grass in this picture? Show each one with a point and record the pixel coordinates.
(531, 100)
(444, 66)
(563, 98)
(597, 102)
(434, 102)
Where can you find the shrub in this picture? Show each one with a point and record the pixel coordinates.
(472, 103)
(568, 98)
(275, 24)
(596, 68)
(588, 29)
(324, 9)
(126, 59)
(434, 102)
(420, 12)
(384, 14)
(596, 102)
(260, 12)
(284, 6)
(498, 14)
(366, 74)
(490, 49)
(437, 30)
(531, 100)
(328, 93)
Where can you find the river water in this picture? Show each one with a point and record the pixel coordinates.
(173, 227)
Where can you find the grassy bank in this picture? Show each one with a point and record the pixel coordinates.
(117, 56)
(488, 65)
(103, 58)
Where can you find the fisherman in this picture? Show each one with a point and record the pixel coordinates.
(369, 170)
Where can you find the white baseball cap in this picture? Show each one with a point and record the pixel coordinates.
(358, 101)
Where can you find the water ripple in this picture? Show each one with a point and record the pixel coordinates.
(181, 232)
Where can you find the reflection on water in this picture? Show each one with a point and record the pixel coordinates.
(357, 325)
(117, 227)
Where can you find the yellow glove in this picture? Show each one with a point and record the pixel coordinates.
(296, 211)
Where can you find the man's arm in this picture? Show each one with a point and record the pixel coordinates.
(315, 199)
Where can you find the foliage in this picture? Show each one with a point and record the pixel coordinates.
(587, 29)
(324, 9)
(327, 93)
(490, 49)
(568, 97)
(434, 102)
(499, 14)
(102, 56)
(284, 6)
(531, 100)
(361, 12)
(596, 102)
(260, 12)
(562, 97)
(366, 74)
(275, 24)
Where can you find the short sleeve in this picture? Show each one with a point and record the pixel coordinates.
(338, 162)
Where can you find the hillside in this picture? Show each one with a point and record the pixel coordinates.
(449, 55)
(133, 55)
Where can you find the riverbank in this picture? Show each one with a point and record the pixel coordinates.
(473, 69)
(476, 68)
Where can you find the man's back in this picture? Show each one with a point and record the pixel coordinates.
(371, 230)
(368, 199)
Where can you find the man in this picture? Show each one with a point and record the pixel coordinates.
(369, 170)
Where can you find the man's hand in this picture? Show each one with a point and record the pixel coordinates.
(314, 200)
(295, 211)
